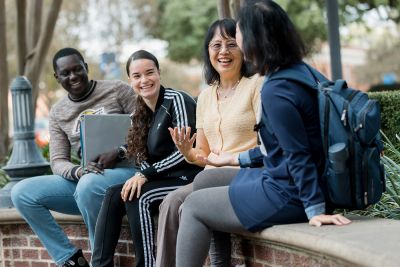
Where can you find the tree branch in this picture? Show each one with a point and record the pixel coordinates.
(34, 24)
(235, 7)
(35, 65)
(223, 9)
(21, 34)
(4, 122)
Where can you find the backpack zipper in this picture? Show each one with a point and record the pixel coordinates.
(364, 115)
(343, 117)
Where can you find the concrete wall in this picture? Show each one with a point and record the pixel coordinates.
(365, 242)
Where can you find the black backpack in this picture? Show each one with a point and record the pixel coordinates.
(350, 123)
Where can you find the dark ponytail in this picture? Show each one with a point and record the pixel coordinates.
(137, 135)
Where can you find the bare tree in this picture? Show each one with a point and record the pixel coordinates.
(229, 8)
(224, 9)
(4, 124)
(33, 41)
(39, 40)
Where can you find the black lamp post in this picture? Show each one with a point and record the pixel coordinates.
(26, 159)
(332, 9)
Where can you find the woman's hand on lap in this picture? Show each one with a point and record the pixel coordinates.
(131, 186)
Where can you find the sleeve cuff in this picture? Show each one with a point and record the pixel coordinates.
(74, 172)
(148, 172)
(122, 153)
(244, 159)
(315, 210)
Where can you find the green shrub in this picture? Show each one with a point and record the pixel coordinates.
(384, 87)
(390, 113)
(389, 205)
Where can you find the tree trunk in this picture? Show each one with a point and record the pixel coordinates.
(223, 9)
(235, 7)
(34, 63)
(21, 35)
(4, 122)
(229, 8)
(34, 24)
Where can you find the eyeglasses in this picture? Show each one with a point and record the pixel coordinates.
(230, 46)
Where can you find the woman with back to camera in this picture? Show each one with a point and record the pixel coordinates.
(226, 115)
(286, 189)
(162, 167)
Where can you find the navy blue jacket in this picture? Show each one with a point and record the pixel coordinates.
(290, 133)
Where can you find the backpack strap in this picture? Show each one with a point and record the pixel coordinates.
(301, 73)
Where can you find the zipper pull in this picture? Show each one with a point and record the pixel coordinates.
(358, 127)
(343, 117)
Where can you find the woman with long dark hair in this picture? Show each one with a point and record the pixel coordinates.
(286, 189)
(162, 167)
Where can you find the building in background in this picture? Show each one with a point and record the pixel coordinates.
(352, 57)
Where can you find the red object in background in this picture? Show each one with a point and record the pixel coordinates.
(42, 136)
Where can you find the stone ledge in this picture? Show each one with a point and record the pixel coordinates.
(11, 216)
(366, 241)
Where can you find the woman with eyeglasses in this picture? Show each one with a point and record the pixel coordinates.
(286, 189)
(225, 119)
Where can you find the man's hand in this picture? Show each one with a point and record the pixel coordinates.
(107, 160)
(104, 161)
(92, 167)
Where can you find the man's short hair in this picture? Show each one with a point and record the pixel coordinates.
(67, 51)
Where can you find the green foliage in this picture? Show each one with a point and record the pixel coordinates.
(3, 178)
(46, 152)
(184, 24)
(354, 10)
(384, 87)
(3, 175)
(389, 205)
(390, 113)
(308, 16)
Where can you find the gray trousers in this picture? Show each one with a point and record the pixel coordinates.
(168, 224)
(206, 210)
(169, 219)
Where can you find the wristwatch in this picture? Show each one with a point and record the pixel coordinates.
(121, 153)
